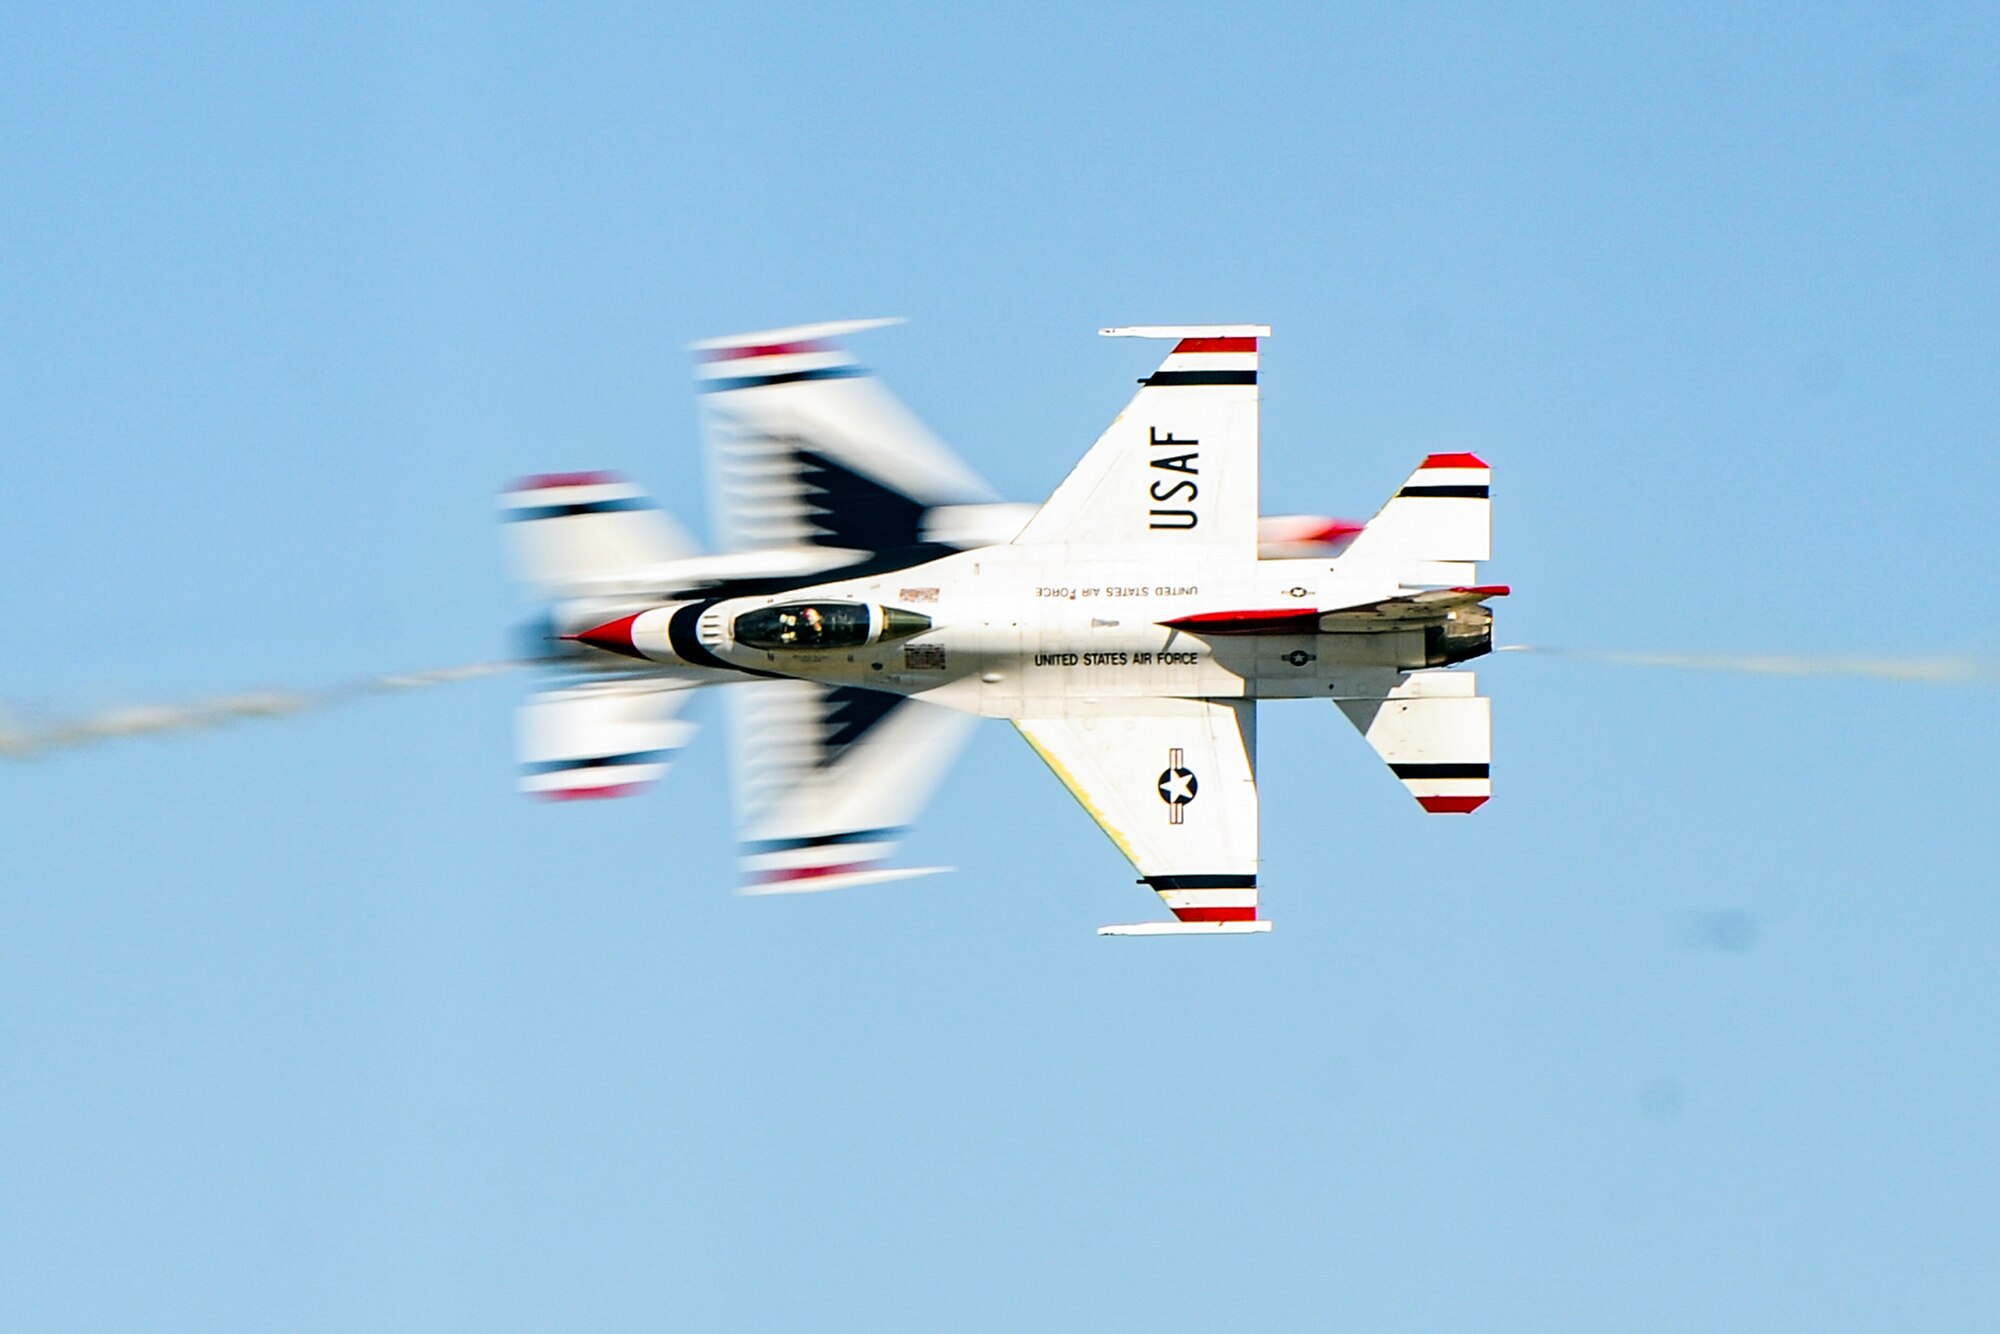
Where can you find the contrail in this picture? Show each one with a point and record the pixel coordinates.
(1942, 670)
(18, 742)
(25, 743)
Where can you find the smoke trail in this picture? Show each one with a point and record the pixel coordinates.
(1944, 670)
(23, 743)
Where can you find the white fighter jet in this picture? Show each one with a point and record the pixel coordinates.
(875, 601)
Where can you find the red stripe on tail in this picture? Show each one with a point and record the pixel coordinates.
(1452, 805)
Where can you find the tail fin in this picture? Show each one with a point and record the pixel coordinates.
(565, 530)
(1437, 527)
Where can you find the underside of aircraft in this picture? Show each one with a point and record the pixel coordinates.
(871, 599)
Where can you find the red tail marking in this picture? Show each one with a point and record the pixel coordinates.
(1336, 530)
(1216, 345)
(1453, 461)
(1452, 805)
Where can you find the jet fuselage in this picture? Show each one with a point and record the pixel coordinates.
(1003, 629)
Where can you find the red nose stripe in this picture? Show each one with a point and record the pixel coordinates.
(612, 636)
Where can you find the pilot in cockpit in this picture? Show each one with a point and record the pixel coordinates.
(804, 627)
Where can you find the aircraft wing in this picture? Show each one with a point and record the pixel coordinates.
(1174, 784)
(600, 739)
(827, 779)
(807, 448)
(1178, 468)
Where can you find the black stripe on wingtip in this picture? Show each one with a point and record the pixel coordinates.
(782, 377)
(529, 513)
(1441, 770)
(1159, 379)
(538, 767)
(756, 846)
(1454, 492)
(1161, 882)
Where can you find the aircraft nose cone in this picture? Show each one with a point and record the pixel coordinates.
(612, 636)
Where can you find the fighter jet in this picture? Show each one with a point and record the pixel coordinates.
(817, 472)
(1127, 629)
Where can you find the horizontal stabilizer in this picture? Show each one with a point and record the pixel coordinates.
(567, 530)
(1442, 518)
(1303, 536)
(606, 739)
(1436, 734)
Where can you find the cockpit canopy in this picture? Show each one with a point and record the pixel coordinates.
(824, 625)
(804, 625)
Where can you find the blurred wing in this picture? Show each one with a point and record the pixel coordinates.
(1173, 782)
(564, 530)
(807, 448)
(604, 739)
(828, 778)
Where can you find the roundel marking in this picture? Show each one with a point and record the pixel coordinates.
(1178, 786)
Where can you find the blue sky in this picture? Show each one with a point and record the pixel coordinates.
(315, 1024)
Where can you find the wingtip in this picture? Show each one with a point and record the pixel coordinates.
(546, 481)
(796, 332)
(816, 880)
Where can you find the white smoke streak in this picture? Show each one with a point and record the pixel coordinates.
(18, 742)
(26, 742)
(1943, 670)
